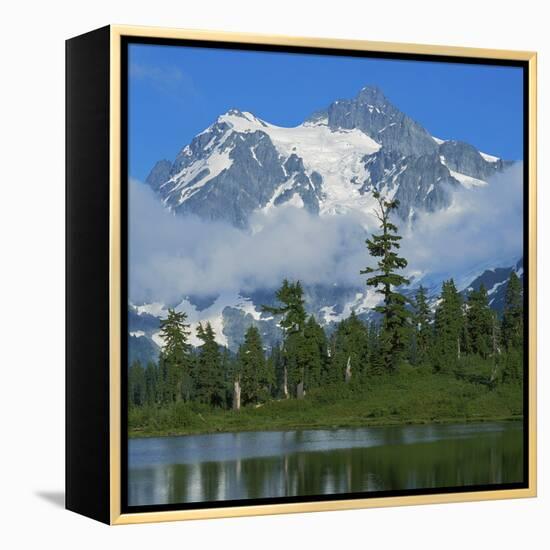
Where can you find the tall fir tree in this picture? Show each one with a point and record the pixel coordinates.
(512, 331)
(228, 369)
(174, 357)
(350, 359)
(315, 358)
(152, 394)
(333, 373)
(209, 378)
(277, 367)
(296, 363)
(292, 310)
(385, 278)
(423, 330)
(376, 363)
(293, 318)
(165, 392)
(480, 323)
(448, 328)
(136, 384)
(512, 318)
(252, 373)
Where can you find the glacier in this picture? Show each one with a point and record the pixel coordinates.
(329, 165)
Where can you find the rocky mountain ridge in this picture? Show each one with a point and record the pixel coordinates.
(329, 164)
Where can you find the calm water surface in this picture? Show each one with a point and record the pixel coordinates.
(212, 467)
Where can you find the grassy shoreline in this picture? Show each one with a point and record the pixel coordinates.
(137, 434)
(412, 398)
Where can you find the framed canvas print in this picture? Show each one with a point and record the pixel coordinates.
(300, 274)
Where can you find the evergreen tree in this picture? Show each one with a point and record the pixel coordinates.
(209, 378)
(350, 357)
(480, 323)
(333, 373)
(395, 328)
(296, 363)
(423, 333)
(512, 366)
(293, 313)
(252, 369)
(512, 318)
(512, 331)
(152, 395)
(174, 357)
(136, 385)
(291, 297)
(315, 352)
(277, 368)
(448, 328)
(228, 368)
(165, 392)
(375, 360)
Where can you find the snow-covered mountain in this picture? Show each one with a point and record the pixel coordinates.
(328, 165)
(495, 282)
(231, 315)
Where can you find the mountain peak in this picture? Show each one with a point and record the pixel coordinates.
(372, 94)
(371, 112)
(331, 163)
(234, 112)
(240, 120)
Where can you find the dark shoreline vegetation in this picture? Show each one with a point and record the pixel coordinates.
(454, 360)
(415, 396)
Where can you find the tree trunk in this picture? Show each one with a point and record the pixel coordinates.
(285, 383)
(495, 350)
(300, 392)
(236, 395)
(496, 347)
(347, 374)
(458, 347)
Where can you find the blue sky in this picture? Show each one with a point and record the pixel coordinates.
(176, 92)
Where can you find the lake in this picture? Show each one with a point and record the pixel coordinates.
(230, 466)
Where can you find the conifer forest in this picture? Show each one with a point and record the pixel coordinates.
(421, 360)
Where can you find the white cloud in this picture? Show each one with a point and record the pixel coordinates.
(173, 256)
(483, 228)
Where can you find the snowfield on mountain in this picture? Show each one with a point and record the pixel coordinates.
(241, 169)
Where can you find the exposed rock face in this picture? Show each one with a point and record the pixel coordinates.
(159, 174)
(252, 171)
(241, 164)
(495, 282)
(332, 162)
(466, 159)
(307, 187)
(372, 113)
(248, 183)
(142, 349)
(419, 183)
